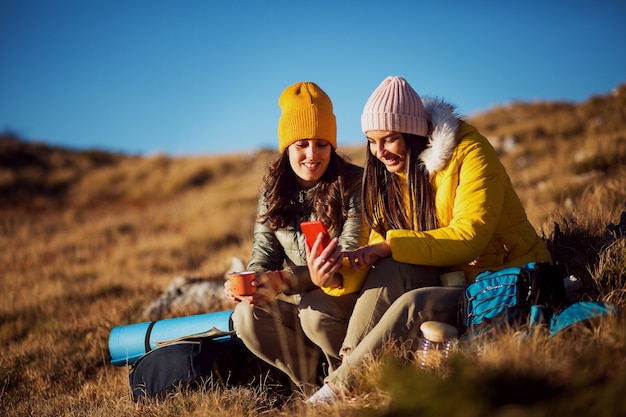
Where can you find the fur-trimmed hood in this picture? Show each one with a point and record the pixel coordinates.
(444, 124)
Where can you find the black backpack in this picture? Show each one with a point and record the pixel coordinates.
(187, 364)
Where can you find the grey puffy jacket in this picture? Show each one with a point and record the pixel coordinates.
(285, 248)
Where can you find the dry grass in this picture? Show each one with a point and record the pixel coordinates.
(89, 238)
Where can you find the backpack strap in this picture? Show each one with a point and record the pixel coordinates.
(147, 339)
(231, 329)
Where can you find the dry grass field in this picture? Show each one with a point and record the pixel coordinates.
(89, 238)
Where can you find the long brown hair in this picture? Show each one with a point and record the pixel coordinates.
(383, 201)
(328, 201)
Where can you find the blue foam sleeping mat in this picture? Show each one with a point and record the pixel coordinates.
(130, 342)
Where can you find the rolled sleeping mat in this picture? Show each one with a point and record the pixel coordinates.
(130, 342)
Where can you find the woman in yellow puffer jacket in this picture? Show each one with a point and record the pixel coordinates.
(437, 200)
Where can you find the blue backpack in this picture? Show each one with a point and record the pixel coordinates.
(526, 297)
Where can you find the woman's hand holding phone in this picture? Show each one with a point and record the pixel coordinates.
(323, 255)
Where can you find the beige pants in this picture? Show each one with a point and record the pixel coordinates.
(293, 337)
(400, 323)
(386, 281)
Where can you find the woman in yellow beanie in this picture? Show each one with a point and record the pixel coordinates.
(309, 181)
(437, 200)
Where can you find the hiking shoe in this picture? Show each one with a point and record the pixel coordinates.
(324, 395)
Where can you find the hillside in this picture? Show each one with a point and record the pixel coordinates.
(555, 153)
(89, 238)
(561, 155)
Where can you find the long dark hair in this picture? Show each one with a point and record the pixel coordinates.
(383, 201)
(328, 200)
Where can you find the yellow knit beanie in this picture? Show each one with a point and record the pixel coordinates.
(307, 113)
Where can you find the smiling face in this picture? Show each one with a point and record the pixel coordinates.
(309, 159)
(389, 148)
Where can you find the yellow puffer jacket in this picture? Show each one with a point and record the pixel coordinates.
(483, 224)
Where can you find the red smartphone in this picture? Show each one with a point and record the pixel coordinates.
(311, 230)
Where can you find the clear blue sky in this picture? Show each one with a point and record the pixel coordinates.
(203, 77)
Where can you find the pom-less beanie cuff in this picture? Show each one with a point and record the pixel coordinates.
(307, 113)
(395, 106)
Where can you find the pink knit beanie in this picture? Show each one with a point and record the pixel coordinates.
(396, 107)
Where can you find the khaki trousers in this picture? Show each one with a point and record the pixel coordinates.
(386, 281)
(293, 337)
(400, 324)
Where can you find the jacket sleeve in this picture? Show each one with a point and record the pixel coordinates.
(267, 252)
(476, 208)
